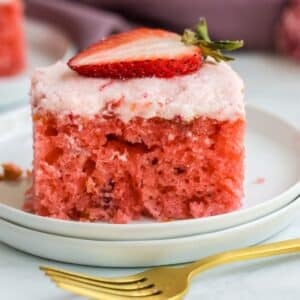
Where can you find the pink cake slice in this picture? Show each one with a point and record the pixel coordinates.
(119, 150)
(12, 58)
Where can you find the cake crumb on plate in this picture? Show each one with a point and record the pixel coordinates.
(259, 180)
(10, 172)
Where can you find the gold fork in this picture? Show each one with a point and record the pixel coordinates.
(162, 282)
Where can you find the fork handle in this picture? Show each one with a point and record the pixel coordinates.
(279, 248)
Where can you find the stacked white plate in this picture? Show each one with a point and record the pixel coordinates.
(272, 188)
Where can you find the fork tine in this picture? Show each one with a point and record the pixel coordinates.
(110, 294)
(136, 278)
(146, 291)
(118, 286)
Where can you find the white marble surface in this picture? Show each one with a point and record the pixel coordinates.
(272, 83)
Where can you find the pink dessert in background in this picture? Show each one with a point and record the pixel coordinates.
(119, 150)
(12, 49)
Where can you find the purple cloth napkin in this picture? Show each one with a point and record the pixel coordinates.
(254, 21)
(85, 25)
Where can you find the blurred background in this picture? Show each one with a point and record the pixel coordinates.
(255, 21)
(269, 62)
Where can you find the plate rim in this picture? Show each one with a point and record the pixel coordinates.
(149, 252)
(293, 202)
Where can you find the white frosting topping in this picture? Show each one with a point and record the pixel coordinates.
(215, 91)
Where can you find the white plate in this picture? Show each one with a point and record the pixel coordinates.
(45, 45)
(272, 152)
(145, 253)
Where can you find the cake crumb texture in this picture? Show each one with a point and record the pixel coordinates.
(103, 169)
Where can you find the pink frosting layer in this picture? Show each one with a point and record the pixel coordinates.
(215, 91)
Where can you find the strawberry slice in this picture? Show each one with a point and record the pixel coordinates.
(142, 52)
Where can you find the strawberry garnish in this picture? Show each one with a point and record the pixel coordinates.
(146, 52)
(141, 52)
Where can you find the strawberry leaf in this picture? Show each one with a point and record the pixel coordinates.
(202, 30)
(200, 38)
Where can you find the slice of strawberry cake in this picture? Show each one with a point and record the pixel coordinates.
(144, 123)
(12, 58)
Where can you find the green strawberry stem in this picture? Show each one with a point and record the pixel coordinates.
(201, 39)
